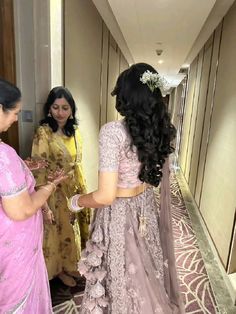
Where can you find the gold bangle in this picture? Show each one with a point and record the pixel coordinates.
(53, 184)
(45, 188)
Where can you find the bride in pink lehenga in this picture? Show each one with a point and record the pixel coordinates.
(129, 260)
(24, 284)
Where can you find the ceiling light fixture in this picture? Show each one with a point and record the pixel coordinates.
(159, 51)
(160, 61)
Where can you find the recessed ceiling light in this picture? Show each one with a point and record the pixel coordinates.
(159, 51)
(160, 61)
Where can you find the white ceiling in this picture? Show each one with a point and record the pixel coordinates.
(174, 26)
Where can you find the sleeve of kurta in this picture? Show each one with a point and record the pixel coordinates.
(40, 149)
(84, 216)
(80, 171)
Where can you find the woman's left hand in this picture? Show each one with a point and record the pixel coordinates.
(35, 164)
(48, 217)
(57, 176)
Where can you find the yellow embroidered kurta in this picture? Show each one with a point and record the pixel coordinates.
(64, 239)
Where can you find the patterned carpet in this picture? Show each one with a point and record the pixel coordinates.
(195, 287)
(196, 290)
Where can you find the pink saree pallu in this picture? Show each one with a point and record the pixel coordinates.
(23, 277)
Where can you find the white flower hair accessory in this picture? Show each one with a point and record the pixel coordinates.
(153, 80)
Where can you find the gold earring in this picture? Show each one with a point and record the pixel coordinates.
(71, 117)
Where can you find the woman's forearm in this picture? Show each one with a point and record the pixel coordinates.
(104, 195)
(40, 197)
(27, 204)
(88, 200)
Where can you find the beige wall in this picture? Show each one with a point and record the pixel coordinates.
(33, 70)
(92, 63)
(89, 66)
(208, 147)
(56, 43)
(188, 113)
(39, 59)
(200, 111)
(177, 104)
(176, 99)
(219, 198)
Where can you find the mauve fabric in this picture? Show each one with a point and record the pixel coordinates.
(127, 273)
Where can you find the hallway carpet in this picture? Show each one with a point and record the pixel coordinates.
(195, 286)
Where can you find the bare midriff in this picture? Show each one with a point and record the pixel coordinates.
(130, 192)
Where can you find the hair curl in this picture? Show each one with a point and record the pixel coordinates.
(147, 121)
(55, 93)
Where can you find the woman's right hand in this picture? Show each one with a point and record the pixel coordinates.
(57, 176)
(36, 163)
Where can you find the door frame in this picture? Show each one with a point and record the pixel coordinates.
(7, 61)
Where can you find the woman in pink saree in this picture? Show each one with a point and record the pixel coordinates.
(23, 277)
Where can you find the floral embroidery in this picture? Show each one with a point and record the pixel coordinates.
(103, 262)
(2, 278)
(7, 243)
(116, 257)
(116, 155)
(132, 269)
(166, 263)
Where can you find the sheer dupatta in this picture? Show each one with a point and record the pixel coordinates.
(167, 242)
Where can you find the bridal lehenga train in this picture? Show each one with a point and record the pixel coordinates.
(128, 272)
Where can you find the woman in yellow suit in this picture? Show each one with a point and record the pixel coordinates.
(58, 141)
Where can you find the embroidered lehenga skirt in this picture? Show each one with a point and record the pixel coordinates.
(124, 270)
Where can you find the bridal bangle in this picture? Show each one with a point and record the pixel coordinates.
(73, 203)
(53, 184)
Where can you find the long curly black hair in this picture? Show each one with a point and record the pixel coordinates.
(147, 120)
(60, 92)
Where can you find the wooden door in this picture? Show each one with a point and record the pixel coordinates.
(7, 61)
